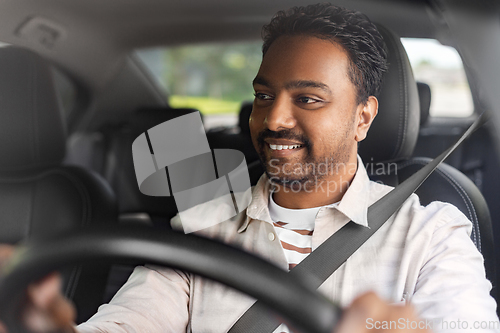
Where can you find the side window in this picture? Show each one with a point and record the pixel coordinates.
(442, 69)
(213, 78)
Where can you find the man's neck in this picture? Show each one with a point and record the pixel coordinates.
(324, 192)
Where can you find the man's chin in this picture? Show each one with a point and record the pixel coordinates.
(287, 181)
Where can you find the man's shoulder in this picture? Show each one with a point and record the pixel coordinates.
(435, 216)
(436, 213)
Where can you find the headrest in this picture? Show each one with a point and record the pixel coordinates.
(424, 96)
(244, 117)
(124, 180)
(394, 131)
(32, 132)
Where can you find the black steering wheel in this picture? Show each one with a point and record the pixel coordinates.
(291, 298)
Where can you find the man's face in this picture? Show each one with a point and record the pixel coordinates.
(305, 101)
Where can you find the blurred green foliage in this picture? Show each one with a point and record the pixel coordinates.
(206, 105)
(214, 78)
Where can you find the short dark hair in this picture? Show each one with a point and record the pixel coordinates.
(351, 29)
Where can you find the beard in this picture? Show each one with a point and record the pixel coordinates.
(301, 172)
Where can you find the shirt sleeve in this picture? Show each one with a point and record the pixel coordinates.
(153, 300)
(452, 292)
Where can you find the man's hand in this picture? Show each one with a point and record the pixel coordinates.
(45, 309)
(369, 314)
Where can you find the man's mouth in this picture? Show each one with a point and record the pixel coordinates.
(279, 148)
(284, 147)
(284, 144)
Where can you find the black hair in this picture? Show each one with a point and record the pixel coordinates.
(351, 29)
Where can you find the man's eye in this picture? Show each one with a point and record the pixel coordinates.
(308, 100)
(263, 97)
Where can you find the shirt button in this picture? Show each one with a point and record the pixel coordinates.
(271, 236)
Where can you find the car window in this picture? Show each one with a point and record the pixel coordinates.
(216, 78)
(442, 69)
(213, 78)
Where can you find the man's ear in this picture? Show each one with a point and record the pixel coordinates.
(365, 114)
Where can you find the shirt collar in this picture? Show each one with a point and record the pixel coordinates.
(354, 203)
(258, 208)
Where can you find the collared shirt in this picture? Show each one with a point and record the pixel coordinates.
(421, 255)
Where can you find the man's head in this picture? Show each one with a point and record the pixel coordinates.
(352, 30)
(321, 69)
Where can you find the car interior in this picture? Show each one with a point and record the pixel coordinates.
(75, 93)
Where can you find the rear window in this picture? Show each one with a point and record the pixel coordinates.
(442, 69)
(213, 78)
(217, 78)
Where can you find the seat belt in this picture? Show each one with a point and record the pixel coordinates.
(330, 255)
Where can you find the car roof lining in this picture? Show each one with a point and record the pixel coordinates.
(102, 32)
(97, 37)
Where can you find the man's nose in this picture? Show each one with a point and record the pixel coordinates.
(280, 115)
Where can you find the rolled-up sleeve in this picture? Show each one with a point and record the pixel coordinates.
(153, 300)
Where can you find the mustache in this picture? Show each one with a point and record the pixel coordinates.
(284, 134)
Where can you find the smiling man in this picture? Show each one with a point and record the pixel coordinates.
(308, 117)
(315, 99)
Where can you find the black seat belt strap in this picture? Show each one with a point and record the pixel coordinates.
(330, 255)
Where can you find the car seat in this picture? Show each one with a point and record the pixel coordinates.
(115, 143)
(393, 136)
(120, 171)
(38, 196)
(424, 98)
(109, 153)
(236, 138)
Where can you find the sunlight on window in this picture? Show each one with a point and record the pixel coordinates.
(216, 78)
(213, 78)
(442, 69)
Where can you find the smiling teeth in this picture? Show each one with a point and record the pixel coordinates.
(281, 147)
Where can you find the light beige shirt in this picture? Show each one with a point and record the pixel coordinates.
(421, 255)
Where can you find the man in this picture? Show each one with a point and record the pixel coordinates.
(315, 99)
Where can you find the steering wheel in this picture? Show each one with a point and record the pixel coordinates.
(290, 297)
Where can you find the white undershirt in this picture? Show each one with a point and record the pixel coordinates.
(294, 228)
